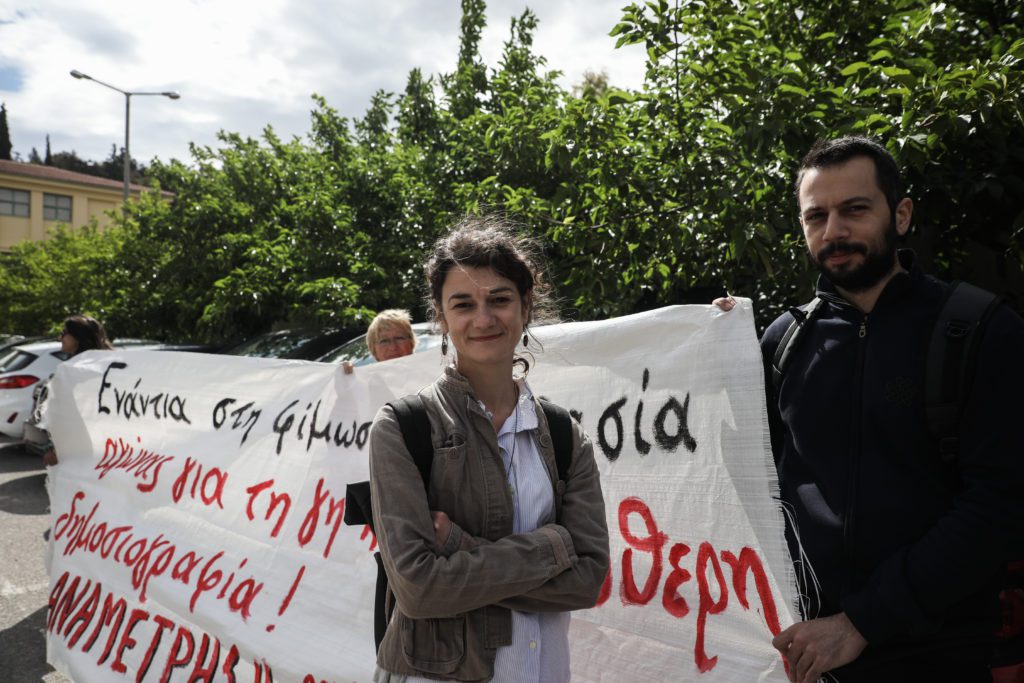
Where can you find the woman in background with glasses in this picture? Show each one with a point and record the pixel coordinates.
(390, 336)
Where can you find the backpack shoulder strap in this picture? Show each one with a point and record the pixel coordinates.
(415, 426)
(951, 360)
(802, 317)
(560, 424)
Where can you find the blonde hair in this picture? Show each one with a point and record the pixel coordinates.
(398, 318)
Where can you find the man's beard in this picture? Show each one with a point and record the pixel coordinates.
(879, 260)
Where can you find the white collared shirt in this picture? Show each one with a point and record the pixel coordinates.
(540, 640)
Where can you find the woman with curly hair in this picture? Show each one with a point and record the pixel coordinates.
(487, 560)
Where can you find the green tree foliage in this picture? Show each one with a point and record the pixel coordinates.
(74, 271)
(468, 84)
(743, 89)
(672, 193)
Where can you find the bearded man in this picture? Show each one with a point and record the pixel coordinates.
(899, 554)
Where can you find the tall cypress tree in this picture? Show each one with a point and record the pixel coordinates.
(5, 134)
(470, 77)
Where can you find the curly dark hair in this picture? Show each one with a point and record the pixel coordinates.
(88, 332)
(495, 242)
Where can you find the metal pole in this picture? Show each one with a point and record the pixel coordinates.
(127, 158)
(127, 112)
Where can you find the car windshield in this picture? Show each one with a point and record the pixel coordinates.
(15, 360)
(273, 345)
(357, 352)
(17, 340)
(128, 343)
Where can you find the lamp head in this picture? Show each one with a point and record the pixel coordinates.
(78, 74)
(173, 94)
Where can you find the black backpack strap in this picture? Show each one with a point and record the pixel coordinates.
(952, 357)
(415, 426)
(802, 317)
(381, 615)
(560, 424)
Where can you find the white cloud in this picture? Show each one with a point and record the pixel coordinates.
(241, 66)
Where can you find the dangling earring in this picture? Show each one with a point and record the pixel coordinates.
(526, 339)
(444, 344)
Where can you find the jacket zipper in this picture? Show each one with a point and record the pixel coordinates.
(856, 446)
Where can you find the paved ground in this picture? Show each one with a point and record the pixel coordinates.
(24, 585)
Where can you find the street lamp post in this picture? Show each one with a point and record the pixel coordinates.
(127, 111)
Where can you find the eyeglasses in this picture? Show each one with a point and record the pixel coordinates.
(388, 341)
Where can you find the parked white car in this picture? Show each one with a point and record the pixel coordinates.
(22, 368)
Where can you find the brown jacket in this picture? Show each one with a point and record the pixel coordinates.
(453, 605)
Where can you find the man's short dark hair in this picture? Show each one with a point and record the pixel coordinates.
(827, 153)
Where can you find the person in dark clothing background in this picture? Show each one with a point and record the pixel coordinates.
(901, 553)
(80, 333)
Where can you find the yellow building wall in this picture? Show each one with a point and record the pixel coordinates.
(14, 229)
(86, 202)
(100, 209)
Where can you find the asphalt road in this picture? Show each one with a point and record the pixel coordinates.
(24, 584)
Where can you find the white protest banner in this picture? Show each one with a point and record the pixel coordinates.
(197, 508)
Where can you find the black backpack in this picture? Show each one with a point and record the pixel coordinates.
(415, 426)
(951, 361)
(952, 358)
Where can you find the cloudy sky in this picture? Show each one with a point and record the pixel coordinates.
(241, 65)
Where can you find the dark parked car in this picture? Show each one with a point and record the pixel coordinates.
(294, 344)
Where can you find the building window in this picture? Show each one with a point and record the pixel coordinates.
(14, 202)
(56, 207)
